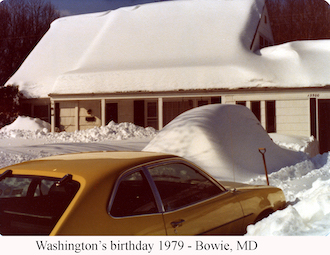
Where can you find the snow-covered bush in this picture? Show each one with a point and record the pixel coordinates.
(10, 104)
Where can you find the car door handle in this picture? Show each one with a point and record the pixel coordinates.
(176, 224)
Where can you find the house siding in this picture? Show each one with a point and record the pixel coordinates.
(263, 36)
(67, 116)
(296, 110)
(292, 117)
(89, 114)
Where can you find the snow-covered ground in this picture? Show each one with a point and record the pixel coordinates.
(306, 184)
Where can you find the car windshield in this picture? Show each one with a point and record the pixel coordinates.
(32, 205)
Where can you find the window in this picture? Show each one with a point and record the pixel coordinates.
(270, 116)
(215, 100)
(180, 185)
(41, 112)
(133, 197)
(243, 103)
(256, 109)
(152, 115)
(261, 42)
(174, 108)
(33, 204)
(202, 102)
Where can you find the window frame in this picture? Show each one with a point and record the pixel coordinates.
(159, 203)
(193, 167)
(32, 194)
(154, 191)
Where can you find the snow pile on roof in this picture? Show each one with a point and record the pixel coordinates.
(29, 128)
(144, 48)
(27, 123)
(224, 140)
(167, 46)
(297, 64)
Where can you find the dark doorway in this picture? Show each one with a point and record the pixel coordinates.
(57, 116)
(270, 116)
(139, 113)
(324, 124)
(111, 112)
(256, 109)
(313, 117)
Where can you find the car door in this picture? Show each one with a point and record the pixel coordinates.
(133, 207)
(194, 203)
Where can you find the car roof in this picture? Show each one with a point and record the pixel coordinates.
(86, 164)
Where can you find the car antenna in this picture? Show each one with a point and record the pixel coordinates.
(6, 174)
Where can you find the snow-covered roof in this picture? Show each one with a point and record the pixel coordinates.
(167, 46)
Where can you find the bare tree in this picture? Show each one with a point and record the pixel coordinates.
(293, 20)
(23, 23)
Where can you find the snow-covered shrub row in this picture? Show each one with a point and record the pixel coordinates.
(113, 131)
(29, 128)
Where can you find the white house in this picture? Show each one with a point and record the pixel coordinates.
(146, 64)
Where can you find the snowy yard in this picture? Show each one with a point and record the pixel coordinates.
(306, 184)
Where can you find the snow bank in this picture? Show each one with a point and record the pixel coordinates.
(306, 184)
(27, 123)
(297, 143)
(113, 131)
(307, 189)
(27, 139)
(224, 140)
(29, 128)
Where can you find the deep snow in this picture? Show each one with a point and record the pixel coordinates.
(167, 46)
(224, 139)
(305, 184)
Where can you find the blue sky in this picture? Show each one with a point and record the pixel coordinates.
(71, 7)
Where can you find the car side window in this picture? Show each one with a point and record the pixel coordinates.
(33, 204)
(180, 185)
(133, 197)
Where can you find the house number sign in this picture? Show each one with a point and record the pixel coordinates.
(313, 95)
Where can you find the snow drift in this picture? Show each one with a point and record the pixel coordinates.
(224, 140)
(306, 185)
(167, 46)
(27, 123)
(31, 128)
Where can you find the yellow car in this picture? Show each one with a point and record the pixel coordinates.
(126, 193)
